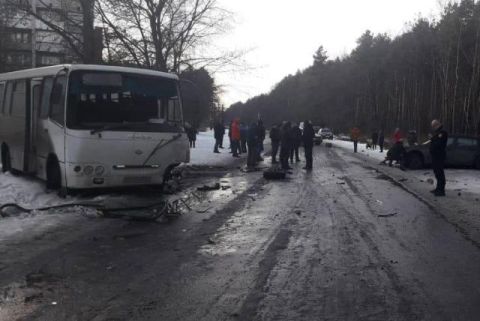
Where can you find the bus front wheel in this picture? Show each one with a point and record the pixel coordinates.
(54, 176)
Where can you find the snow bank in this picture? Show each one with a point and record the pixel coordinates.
(461, 180)
(362, 148)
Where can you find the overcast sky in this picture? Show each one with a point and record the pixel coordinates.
(283, 35)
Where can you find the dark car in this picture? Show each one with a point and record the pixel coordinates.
(462, 151)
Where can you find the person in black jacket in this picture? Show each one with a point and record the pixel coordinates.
(275, 138)
(218, 131)
(307, 137)
(296, 141)
(285, 145)
(438, 145)
(252, 142)
(381, 140)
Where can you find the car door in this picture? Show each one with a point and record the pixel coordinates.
(450, 150)
(465, 150)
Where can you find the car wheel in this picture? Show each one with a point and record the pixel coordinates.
(477, 163)
(415, 161)
(54, 175)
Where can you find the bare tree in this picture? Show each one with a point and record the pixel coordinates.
(72, 20)
(166, 35)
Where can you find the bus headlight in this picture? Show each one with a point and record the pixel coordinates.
(88, 170)
(99, 170)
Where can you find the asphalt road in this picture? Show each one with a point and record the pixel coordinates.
(343, 242)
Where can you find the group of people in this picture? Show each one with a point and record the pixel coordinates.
(286, 140)
(243, 139)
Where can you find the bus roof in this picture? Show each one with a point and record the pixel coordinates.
(52, 70)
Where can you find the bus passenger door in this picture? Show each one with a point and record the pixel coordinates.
(31, 144)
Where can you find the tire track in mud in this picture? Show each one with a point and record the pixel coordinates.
(355, 228)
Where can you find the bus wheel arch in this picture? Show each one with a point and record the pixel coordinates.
(167, 174)
(54, 173)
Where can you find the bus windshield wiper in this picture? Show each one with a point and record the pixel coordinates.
(107, 127)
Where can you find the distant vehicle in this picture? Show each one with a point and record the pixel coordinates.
(462, 151)
(326, 133)
(317, 140)
(89, 126)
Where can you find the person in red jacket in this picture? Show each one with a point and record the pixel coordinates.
(236, 136)
(397, 136)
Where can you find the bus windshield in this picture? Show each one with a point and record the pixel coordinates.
(98, 99)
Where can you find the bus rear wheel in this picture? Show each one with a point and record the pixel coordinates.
(54, 176)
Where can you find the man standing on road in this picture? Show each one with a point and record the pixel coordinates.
(355, 136)
(235, 137)
(374, 139)
(218, 134)
(381, 140)
(252, 142)
(275, 138)
(296, 141)
(308, 136)
(438, 145)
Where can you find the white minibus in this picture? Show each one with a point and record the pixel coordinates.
(90, 126)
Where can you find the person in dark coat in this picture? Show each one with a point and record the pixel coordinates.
(307, 137)
(218, 131)
(286, 145)
(374, 139)
(438, 145)
(381, 140)
(192, 135)
(252, 143)
(222, 133)
(275, 137)
(296, 141)
(261, 138)
(243, 137)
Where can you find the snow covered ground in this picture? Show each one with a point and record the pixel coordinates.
(467, 180)
(203, 154)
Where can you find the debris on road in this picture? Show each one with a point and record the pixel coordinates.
(274, 173)
(430, 181)
(207, 188)
(387, 215)
(211, 241)
(298, 212)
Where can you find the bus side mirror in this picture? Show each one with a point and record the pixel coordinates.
(56, 94)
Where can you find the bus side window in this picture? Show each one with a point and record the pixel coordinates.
(8, 98)
(45, 100)
(2, 95)
(19, 99)
(57, 103)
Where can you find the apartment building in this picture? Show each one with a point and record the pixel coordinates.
(31, 42)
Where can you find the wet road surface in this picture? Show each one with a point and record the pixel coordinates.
(340, 243)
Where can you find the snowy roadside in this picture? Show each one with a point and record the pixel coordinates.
(461, 206)
(458, 180)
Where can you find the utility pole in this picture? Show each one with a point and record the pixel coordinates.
(33, 22)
